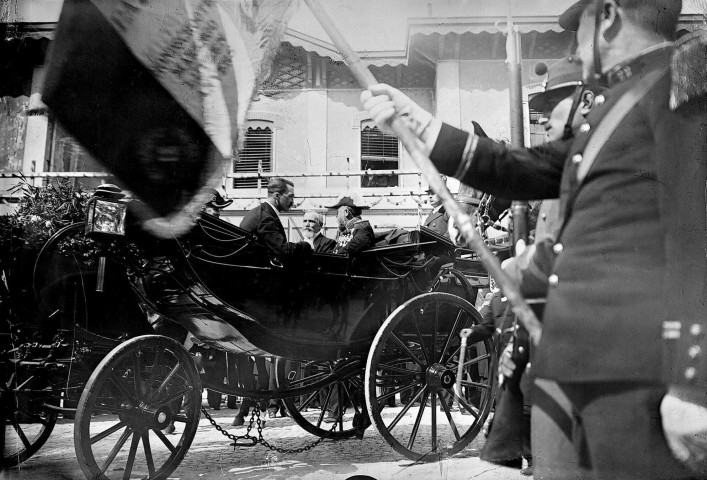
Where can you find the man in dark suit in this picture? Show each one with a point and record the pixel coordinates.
(264, 220)
(312, 224)
(438, 219)
(629, 253)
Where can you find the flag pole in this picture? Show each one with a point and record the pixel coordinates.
(365, 79)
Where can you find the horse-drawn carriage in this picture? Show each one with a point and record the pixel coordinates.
(348, 333)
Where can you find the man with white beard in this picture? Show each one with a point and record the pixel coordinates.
(312, 232)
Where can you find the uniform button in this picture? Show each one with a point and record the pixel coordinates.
(553, 280)
(557, 248)
(599, 99)
(576, 158)
(694, 351)
(695, 329)
(585, 127)
(543, 216)
(690, 373)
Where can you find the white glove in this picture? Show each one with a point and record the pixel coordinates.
(384, 103)
(684, 418)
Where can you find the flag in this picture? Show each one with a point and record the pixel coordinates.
(157, 91)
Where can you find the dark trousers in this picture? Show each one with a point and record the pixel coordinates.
(600, 431)
(247, 379)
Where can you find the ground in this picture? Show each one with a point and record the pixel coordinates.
(212, 457)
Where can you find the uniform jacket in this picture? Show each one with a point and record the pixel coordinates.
(631, 247)
(264, 222)
(323, 244)
(358, 238)
(438, 221)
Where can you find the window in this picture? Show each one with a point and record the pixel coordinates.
(67, 155)
(537, 131)
(255, 156)
(379, 151)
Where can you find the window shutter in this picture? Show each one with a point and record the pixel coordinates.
(379, 151)
(256, 153)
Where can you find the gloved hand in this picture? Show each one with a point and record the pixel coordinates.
(384, 103)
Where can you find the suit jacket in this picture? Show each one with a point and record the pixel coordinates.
(631, 248)
(438, 221)
(323, 244)
(360, 237)
(264, 222)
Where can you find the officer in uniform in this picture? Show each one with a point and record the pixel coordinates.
(355, 234)
(630, 252)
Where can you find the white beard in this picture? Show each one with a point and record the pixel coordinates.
(308, 234)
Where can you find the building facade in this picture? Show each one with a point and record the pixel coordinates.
(306, 122)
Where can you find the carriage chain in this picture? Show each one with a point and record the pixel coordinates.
(255, 417)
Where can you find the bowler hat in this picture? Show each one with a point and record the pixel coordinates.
(562, 77)
(350, 200)
(215, 200)
(569, 20)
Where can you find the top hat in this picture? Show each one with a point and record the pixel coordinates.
(569, 20)
(350, 200)
(215, 200)
(562, 77)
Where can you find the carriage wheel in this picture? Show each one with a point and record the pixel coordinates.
(446, 282)
(416, 354)
(27, 424)
(320, 412)
(140, 388)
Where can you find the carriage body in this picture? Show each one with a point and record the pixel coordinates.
(353, 331)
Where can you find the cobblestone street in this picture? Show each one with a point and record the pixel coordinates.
(211, 457)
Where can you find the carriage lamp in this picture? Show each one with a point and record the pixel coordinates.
(105, 211)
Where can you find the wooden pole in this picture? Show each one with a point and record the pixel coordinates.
(466, 227)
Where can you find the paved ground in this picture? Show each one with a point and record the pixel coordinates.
(211, 457)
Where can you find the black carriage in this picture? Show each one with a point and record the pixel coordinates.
(349, 333)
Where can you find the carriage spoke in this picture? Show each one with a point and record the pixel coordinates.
(307, 401)
(136, 375)
(407, 350)
(153, 373)
(172, 398)
(452, 424)
(33, 416)
(433, 433)
(464, 404)
(118, 384)
(107, 432)
(386, 366)
(148, 453)
(311, 379)
(478, 359)
(419, 337)
(330, 389)
(131, 456)
(20, 433)
(116, 448)
(418, 420)
(167, 379)
(405, 409)
(450, 336)
(340, 406)
(353, 399)
(25, 383)
(165, 440)
(451, 356)
(469, 383)
(434, 332)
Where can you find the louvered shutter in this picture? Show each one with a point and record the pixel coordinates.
(256, 154)
(379, 151)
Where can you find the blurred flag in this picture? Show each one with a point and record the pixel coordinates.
(157, 90)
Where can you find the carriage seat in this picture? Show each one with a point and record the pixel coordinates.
(395, 236)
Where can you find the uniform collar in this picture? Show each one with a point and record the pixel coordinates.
(648, 59)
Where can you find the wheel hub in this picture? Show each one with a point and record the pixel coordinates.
(440, 376)
(144, 417)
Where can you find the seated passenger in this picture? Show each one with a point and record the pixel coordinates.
(354, 234)
(215, 203)
(312, 232)
(264, 220)
(438, 219)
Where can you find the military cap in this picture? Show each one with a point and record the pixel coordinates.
(562, 77)
(569, 20)
(215, 200)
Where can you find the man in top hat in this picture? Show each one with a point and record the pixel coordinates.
(354, 234)
(630, 251)
(438, 219)
(264, 220)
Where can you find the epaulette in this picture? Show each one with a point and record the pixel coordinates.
(689, 68)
